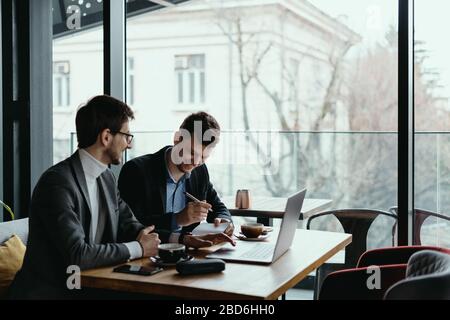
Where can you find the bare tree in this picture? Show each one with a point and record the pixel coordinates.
(357, 169)
(314, 164)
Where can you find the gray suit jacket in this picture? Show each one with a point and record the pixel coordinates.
(59, 232)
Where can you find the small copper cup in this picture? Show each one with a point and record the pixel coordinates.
(243, 199)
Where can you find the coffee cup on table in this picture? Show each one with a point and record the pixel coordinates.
(171, 252)
(252, 230)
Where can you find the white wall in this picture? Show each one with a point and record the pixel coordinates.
(154, 39)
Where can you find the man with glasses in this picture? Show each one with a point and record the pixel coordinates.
(128, 137)
(159, 187)
(77, 218)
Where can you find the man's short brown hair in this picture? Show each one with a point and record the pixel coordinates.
(100, 113)
(208, 122)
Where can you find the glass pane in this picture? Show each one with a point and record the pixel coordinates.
(432, 120)
(302, 101)
(77, 66)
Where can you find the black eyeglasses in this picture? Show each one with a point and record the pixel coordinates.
(128, 136)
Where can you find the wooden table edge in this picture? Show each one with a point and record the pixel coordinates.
(291, 283)
(155, 289)
(277, 214)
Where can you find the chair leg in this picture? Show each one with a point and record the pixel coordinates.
(321, 273)
(283, 296)
(316, 285)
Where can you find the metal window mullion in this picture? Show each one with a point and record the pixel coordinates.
(40, 80)
(406, 122)
(114, 48)
(8, 85)
(1, 115)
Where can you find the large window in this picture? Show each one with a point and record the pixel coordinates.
(306, 93)
(302, 101)
(77, 66)
(432, 123)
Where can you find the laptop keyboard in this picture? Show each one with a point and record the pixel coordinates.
(258, 252)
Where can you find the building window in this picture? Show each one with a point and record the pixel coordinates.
(190, 79)
(61, 84)
(130, 82)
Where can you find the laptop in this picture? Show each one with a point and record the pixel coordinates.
(266, 253)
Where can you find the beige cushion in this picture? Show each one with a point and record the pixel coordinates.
(11, 259)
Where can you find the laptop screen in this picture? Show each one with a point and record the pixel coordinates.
(289, 223)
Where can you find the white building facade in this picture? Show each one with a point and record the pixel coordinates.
(219, 56)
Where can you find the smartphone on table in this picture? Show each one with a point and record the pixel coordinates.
(139, 270)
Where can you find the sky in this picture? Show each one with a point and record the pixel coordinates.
(372, 18)
(431, 26)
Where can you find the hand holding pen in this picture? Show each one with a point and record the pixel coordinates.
(190, 196)
(195, 211)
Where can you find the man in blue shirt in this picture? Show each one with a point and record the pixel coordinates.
(155, 186)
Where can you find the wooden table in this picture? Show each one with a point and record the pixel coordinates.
(309, 250)
(272, 207)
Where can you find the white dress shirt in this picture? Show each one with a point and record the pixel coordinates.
(92, 169)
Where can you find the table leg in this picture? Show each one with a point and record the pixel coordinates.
(266, 221)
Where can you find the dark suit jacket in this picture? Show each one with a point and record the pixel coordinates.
(59, 232)
(142, 184)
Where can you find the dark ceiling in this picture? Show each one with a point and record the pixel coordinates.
(92, 13)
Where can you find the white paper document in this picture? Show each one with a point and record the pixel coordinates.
(205, 228)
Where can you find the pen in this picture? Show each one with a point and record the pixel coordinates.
(190, 196)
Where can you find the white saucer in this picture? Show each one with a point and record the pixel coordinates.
(267, 229)
(260, 238)
(157, 261)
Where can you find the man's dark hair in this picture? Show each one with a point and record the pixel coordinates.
(207, 121)
(98, 114)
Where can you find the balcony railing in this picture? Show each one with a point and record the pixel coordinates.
(354, 169)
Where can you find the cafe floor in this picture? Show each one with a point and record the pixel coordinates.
(299, 294)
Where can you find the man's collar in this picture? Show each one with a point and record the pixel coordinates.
(91, 166)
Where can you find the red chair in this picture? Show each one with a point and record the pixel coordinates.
(352, 284)
(427, 278)
(356, 222)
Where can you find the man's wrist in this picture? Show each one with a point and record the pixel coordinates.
(178, 218)
(182, 235)
(135, 250)
(142, 248)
